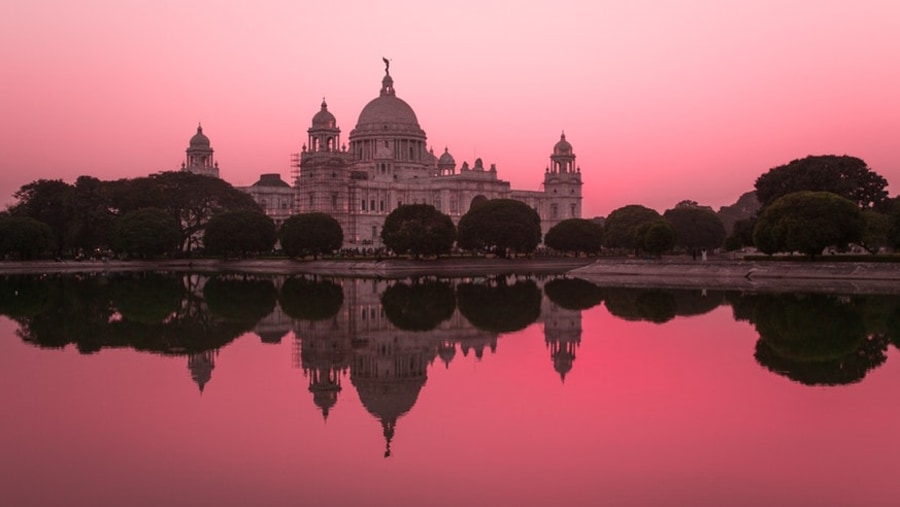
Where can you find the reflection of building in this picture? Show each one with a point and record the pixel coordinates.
(199, 158)
(562, 334)
(201, 365)
(388, 164)
(388, 366)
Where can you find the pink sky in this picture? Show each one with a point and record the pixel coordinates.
(662, 101)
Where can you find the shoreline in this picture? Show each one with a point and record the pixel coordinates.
(675, 272)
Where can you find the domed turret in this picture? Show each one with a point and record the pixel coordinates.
(324, 119)
(199, 140)
(562, 147)
(199, 158)
(446, 164)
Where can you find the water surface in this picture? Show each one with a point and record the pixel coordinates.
(150, 389)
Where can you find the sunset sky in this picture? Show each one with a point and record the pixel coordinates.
(661, 100)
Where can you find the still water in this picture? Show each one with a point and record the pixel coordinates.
(161, 389)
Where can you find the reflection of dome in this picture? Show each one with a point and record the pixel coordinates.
(447, 351)
(199, 140)
(387, 399)
(562, 147)
(324, 119)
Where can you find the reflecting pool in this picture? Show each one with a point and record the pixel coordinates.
(172, 389)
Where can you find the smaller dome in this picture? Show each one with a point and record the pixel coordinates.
(324, 119)
(446, 158)
(562, 147)
(199, 140)
(271, 180)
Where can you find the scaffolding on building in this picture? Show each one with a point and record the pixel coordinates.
(295, 182)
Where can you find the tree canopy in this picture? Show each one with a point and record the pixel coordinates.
(575, 235)
(418, 229)
(146, 232)
(808, 222)
(240, 232)
(696, 227)
(24, 237)
(621, 225)
(310, 234)
(655, 237)
(500, 225)
(846, 176)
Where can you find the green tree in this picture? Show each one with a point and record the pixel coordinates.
(741, 234)
(575, 235)
(808, 222)
(310, 234)
(620, 227)
(24, 237)
(92, 216)
(47, 201)
(501, 226)
(696, 227)
(655, 237)
(418, 229)
(146, 232)
(846, 176)
(192, 199)
(240, 232)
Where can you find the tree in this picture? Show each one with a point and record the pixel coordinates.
(240, 232)
(846, 176)
(747, 206)
(622, 224)
(146, 232)
(310, 234)
(741, 234)
(573, 293)
(192, 199)
(91, 221)
(498, 307)
(655, 237)
(418, 229)
(575, 235)
(894, 231)
(808, 222)
(24, 237)
(46, 201)
(696, 227)
(500, 225)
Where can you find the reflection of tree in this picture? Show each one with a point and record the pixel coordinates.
(652, 305)
(814, 339)
(499, 307)
(307, 299)
(420, 306)
(240, 299)
(146, 297)
(573, 293)
(101, 311)
(697, 302)
(22, 296)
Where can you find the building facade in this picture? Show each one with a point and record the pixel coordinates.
(387, 164)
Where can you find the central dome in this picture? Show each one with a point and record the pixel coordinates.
(387, 110)
(387, 114)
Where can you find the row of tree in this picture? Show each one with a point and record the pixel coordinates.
(820, 202)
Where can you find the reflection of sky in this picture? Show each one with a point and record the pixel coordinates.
(674, 414)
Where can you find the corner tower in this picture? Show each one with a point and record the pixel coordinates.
(199, 158)
(562, 185)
